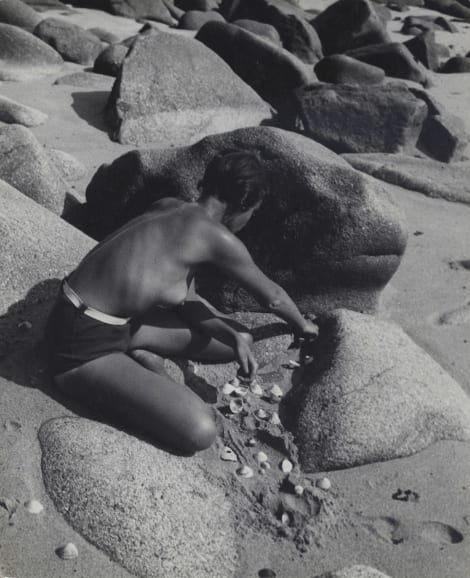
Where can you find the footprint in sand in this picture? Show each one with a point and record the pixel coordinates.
(396, 532)
(463, 264)
(460, 316)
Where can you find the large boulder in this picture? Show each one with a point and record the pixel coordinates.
(451, 7)
(297, 35)
(200, 5)
(430, 177)
(332, 236)
(195, 19)
(348, 24)
(419, 24)
(262, 29)
(110, 60)
(372, 395)
(25, 165)
(456, 64)
(84, 79)
(13, 112)
(159, 10)
(352, 118)
(36, 246)
(17, 13)
(158, 98)
(273, 72)
(72, 42)
(394, 59)
(425, 49)
(444, 138)
(154, 513)
(342, 69)
(25, 57)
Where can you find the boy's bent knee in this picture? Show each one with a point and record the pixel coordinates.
(202, 433)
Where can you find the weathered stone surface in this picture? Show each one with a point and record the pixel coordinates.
(443, 138)
(342, 69)
(36, 246)
(333, 237)
(86, 80)
(394, 59)
(297, 35)
(110, 60)
(156, 514)
(25, 57)
(352, 118)
(424, 48)
(150, 9)
(348, 24)
(262, 29)
(432, 178)
(69, 167)
(17, 13)
(104, 35)
(451, 7)
(419, 24)
(15, 113)
(158, 99)
(456, 64)
(24, 164)
(373, 395)
(202, 5)
(72, 42)
(357, 571)
(195, 19)
(273, 72)
(44, 5)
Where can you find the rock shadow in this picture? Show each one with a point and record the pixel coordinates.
(91, 107)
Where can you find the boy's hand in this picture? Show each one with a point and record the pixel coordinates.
(246, 359)
(310, 331)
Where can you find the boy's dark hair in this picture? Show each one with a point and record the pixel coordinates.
(237, 178)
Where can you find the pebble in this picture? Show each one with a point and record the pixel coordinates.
(261, 457)
(256, 389)
(236, 405)
(245, 472)
(324, 484)
(261, 414)
(33, 506)
(275, 419)
(68, 552)
(240, 391)
(299, 490)
(228, 455)
(266, 573)
(228, 388)
(286, 466)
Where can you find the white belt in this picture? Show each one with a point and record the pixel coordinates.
(90, 311)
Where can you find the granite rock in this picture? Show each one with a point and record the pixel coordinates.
(17, 13)
(13, 112)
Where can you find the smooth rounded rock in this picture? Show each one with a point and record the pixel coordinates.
(13, 112)
(195, 19)
(154, 513)
(262, 29)
(17, 13)
(110, 60)
(342, 69)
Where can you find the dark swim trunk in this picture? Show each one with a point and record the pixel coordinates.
(73, 338)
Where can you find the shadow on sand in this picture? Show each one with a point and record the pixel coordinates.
(90, 106)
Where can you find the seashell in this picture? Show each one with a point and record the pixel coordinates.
(275, 419)
(292, 364)
(227, 389)
(245, 472)
(235, 381)
(299, 490)
(25, 325)
(33, 506)
(228, 455)
(276, 391)
(256, 389)
(68, 552)
(324, 484)
(308, 359)
(261, 414)
(265, 465)
(285, 518)
(251, 442)
(236, 405)
(261, 457)
(240, 391)
(286, 466)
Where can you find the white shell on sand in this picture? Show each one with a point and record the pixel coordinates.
(324, 484)
(33, 506)
(235, 381)
(276, 391)
(236, 405)
(228, 455)
(240, 391)
(261, 457)
(261, 414)
(285, 519)
(293, 364)
(286, 466)
(265, 465)
(256, 389)
(251, 442)
(299, 490)
(68, 552)
(245, 472)
(228, 388)
(275, 419)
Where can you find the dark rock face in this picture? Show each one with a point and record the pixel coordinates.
(451, 7)
(348, 118)
(417, 24)
(373, 395)
(17, 13)
(443, 138)
(297, 35)
(342, 69)
(456, 64)
(24, 56)
(72, 42)
(324, 232)
(273, 72)
(348, 24)
(394, 59)
(424, 48)
(110, 60)
(195, 19)
(158, 99)
(262, 29)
